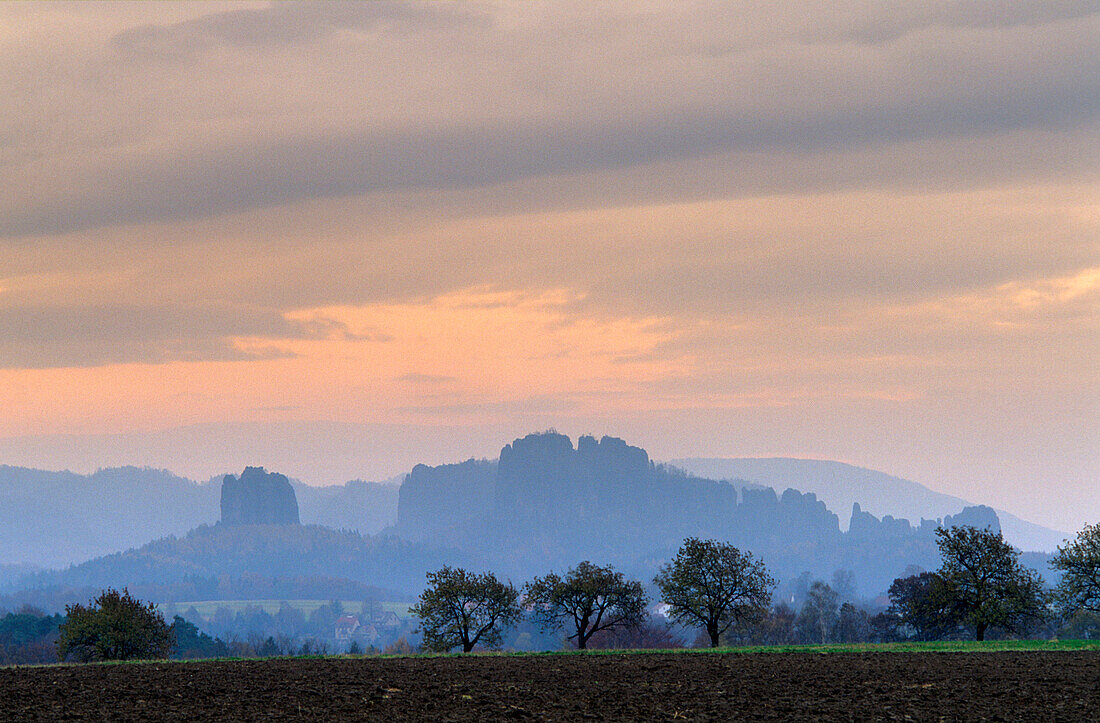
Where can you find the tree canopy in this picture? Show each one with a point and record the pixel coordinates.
(588, 599)
(984, 582)
(115, 626)
(461, 608)
(818, 617)
(714, 585)
(190, 642)
(1079, 563)
(921, 602)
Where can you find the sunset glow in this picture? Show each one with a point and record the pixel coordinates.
(341, 244)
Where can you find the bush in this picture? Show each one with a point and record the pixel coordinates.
(115, 626)
(401, 646)
(653, 634)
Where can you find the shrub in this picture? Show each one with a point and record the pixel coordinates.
(115, 626)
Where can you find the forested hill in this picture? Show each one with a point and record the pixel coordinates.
(224, 561)
(546, 503)
(54, 519)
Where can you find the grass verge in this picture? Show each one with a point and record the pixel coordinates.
(937, 646)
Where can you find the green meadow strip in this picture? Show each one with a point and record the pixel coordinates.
(938, 646)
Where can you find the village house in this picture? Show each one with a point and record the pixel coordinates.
(346, 627)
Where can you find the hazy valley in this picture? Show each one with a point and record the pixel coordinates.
(543, 503)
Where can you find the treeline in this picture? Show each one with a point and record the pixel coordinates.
(191, 644)
(28, 636)
(710, 587)
(246, 586)
(118, 626)
(709, 584)
(292, 631)
(213, 552)
(980, 590)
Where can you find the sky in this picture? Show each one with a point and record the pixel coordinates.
(340, 239)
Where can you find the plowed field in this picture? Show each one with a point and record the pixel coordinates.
(863, 686)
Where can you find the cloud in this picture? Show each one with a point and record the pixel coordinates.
(775, 257)
(548, 406)
(277, 408)
(450, 105)
(315, 326)
(427, 379)
(43, 336)
(846, 229)
(286, 23)
(878, 24)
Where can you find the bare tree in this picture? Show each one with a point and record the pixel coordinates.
(817, 620)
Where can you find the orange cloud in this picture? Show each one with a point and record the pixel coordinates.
(490, 346)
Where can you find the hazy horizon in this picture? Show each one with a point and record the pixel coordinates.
(336, 470)
(340, 239)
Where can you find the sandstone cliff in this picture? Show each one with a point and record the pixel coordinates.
(258, 497)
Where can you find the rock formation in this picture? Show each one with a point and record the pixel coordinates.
(546, 504)
(447, 502)
(258, 497)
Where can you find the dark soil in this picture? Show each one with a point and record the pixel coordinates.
(858, 686)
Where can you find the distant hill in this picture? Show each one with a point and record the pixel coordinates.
(544, 504)
(254, 560)
(10, 573)
(365, 507)
(841, 485)
(50, 519)
(54, 519)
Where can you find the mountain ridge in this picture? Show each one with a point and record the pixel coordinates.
(877, 492)
(53, 519)
(546, 503)
(543, 504)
